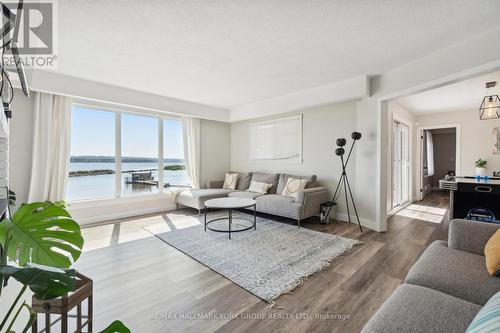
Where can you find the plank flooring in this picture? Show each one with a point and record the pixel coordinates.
(152, 287)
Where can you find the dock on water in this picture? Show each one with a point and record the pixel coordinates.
(141, 178)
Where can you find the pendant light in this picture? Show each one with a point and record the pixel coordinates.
(490, 106)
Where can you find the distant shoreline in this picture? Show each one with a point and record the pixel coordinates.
(111, 159)
(98, 172)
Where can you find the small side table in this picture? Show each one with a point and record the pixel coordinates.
(63, 305)
(326, 208)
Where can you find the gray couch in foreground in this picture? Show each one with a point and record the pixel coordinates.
(445, 288)
(307, 203)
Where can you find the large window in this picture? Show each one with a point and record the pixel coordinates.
(92, 163)
(143, 145)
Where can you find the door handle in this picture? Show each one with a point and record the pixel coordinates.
(483, 189)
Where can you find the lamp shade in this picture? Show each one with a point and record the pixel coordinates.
(490, 107)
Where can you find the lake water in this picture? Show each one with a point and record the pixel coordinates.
(103, 186)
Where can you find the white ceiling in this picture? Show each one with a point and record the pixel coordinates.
(461, 96)
(228, 53)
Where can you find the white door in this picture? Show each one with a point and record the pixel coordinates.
(400, 165)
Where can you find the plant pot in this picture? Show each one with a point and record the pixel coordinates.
(481, 172)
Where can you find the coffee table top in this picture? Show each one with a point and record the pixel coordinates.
(229, 203)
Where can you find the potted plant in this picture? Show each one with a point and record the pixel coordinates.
(481, 167)
(38, 244)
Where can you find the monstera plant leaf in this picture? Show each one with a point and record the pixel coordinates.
(45, 282)
(43, 233)
(116, 327)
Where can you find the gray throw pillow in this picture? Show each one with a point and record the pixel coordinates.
(268, 178)
(283, 179)
(244, 179)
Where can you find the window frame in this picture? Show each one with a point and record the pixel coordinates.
(160, 118)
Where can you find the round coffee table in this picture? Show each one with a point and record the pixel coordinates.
(230, 204)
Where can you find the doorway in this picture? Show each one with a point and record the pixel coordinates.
(438, 158)
(400, 164)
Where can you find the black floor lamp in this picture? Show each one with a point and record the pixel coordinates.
(344, 181)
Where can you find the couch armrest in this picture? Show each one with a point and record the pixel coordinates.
(215, 183)
(470, 236)
(312, 192)
(311, 199)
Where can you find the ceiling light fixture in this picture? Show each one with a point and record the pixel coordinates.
(490, 106)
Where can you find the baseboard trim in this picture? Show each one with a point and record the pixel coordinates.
(364, 222)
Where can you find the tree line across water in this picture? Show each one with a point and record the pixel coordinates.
(111, 172)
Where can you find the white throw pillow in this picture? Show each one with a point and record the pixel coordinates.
(259, 187)
(293, 187)
(230, 181)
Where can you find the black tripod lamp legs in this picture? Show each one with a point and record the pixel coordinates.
(354, 204)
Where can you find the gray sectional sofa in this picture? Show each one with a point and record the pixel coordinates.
(445, 288)
(306, 205)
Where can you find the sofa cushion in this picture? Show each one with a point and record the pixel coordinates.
(268, 178)
(283, 179)
(244, 194)
(279, 205)
(457, 273)
(417, 309)
(196, 198)
(244, 179)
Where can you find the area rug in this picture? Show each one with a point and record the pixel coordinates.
(267, 262)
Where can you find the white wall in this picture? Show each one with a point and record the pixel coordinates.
(21, 142)
(443, 67)
(215, 150)
(476, 139)
(215, 161)
(321, 127)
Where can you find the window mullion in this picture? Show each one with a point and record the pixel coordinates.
(160, 155)
(118, 154)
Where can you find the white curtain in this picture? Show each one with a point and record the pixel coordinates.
(51, 147)
(191, 133)
(430, 153)
(4, 152)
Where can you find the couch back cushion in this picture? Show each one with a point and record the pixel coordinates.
(244, 179)
(268, 178)
(283, 179)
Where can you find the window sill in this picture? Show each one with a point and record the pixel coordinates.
(121, 200)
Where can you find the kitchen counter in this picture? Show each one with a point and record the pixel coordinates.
(472, 199)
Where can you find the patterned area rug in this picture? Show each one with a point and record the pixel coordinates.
(268, 261)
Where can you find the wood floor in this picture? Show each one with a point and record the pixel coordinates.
(152, 287)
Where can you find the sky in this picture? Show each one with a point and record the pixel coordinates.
(93, 133)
